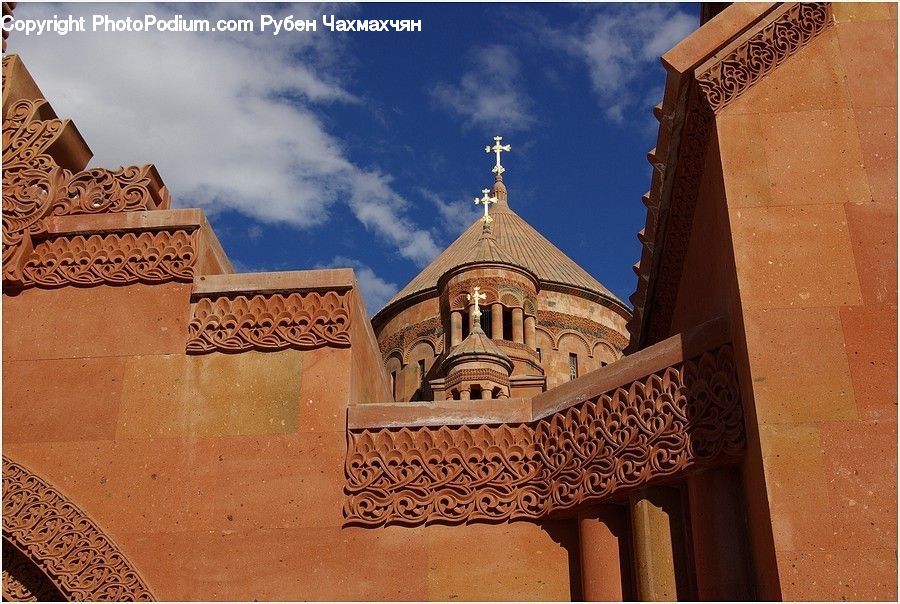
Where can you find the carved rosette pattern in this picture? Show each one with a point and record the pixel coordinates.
(492, 287)
(687, 415)
(766, 50)
(54, 533)
(147, 257)
(35, 187)
(270, 322)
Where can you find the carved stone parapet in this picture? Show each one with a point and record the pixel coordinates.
(684, 416)
(38, 151)
(729, 76)
(270, 322)
(116, 258)
(68, 548)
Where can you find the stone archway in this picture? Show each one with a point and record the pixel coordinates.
(53, 550)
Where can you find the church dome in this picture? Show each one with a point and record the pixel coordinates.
(513, 242)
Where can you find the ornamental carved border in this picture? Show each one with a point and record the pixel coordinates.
(36, 187)
(116, 259)
(685, 416)
(475, 375)
(698, 128)
(67, 546)
(492, 287)
(270, 322)
(763, 52)
(400, 341)
(557, 322)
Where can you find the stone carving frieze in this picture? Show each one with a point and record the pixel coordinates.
(36, 187)
(557, 323)
(66, 545)
(685, 416)
(475, 375)
(24, 581)
(402, 341)
(767, 49)
(493, 287)
(146, 257)
(270, 322)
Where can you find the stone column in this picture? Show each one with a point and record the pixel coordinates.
(517, 326)
(529, 333)
(602, 533)
(497, 321)
(455, 328)
(464, 394)
(660, 565)
(485, 393)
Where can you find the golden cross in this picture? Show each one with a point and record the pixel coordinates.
(497, 148)
(476, 296)
(487, 199)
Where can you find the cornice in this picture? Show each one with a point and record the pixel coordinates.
(693, 97)
(685, 416)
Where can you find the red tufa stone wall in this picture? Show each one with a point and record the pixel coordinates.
(208, 446)
(792, 236)
(812, 208)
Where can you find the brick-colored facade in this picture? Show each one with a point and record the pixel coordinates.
(176, 431)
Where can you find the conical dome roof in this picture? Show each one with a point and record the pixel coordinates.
(513, 242)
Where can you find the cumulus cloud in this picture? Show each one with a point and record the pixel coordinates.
(457, 215)
(232, 121)
(619, 45)
(375, 290)
(490, 94)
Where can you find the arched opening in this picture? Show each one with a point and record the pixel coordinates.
(24, 581)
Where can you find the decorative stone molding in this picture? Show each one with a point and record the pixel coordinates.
(493, 287)
(667, 234)
(23, 580)
(672, 199)
(475, 375)
(63, 542)
(557, 323)
(685, 416)
(145, 257)
(36, 187)
(270, 322)
(402, 341)
(753, 59)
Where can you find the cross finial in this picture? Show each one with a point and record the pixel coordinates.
(486, 199)
(476, 296)
(497, 149)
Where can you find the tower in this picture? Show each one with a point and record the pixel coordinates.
(541, 313)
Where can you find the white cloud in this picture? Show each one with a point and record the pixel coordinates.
(620, 44)
(375, 290)
(490, 94)
(456, 216)
(231, 120)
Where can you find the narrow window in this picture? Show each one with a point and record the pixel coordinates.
(465, 328)
(573, 366)
(486, 322)
(422, 373)
(540, 357)
(394, 384)
(507, 324)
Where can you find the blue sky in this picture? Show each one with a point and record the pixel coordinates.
(366, 149)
